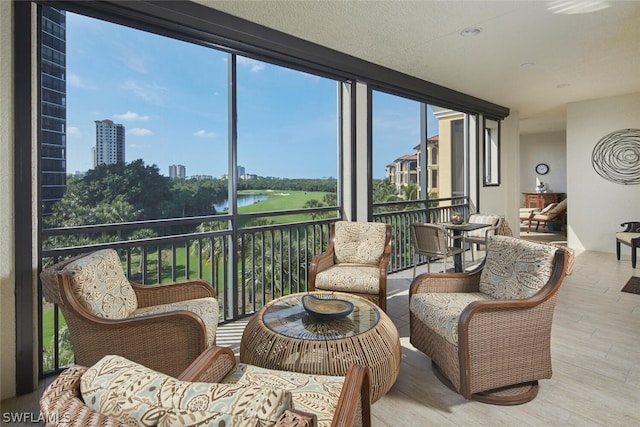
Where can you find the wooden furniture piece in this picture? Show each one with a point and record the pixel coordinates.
(356, 261)
(282, 335)
(540, 200)
(164, 327)
(488, 331)
(630, 236)
(433, 241)
(345, 405)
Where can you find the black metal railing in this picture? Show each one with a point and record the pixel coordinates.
(248, 266)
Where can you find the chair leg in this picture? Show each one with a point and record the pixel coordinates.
(633, 256)
(618, 249)
(415, 263)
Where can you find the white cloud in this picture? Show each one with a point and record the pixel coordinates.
(130, 116)
(203, 134)
(73, 132)
(140, 132)
(151, 93)
(253, 65)
(77, 81)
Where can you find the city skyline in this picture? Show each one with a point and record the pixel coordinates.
(171, 96)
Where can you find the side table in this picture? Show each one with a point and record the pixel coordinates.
(282, 335)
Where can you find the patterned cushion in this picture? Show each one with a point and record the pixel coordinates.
(441, 311)
(184, 418)
(482, 219)
(515, 268)
(317, 394)
(100, 285)
(205, 308)
(135, 394)
(350, 278)
(359, 242)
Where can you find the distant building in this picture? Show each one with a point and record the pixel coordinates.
(53, 106)
(403, 170)
(201, 177)
(247, 176)
(241, 170)
(109, 148)
(177, 172)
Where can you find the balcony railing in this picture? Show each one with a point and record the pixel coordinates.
(247, 266)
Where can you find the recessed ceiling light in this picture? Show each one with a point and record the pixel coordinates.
(527, 64)
(562, 85)
(471, 31)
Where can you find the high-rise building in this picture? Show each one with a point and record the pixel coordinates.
(177, 171)
(109, 148)
(53, 156)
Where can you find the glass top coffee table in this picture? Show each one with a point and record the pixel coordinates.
(282, 335)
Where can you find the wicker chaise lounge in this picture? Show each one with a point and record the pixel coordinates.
(488, 331)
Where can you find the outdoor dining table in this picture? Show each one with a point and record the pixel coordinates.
(457, 230)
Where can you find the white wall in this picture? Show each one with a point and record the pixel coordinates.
(598, 206)
(549, 148)
(505, 198)
(7, 254)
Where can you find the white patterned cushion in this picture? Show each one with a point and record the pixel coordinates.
(441, 311)
(317, 394)
(482, 219)
(184, 418)
(140, 396)
(100, 285)
(206, 308)
(359, 242)
(515, 268)
(350, 278)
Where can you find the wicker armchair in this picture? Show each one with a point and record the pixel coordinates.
(482, 235)
(164, 327)
(355, 261)
(345, 400)
(488, 331)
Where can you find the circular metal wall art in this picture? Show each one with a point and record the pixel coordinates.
(616, 157)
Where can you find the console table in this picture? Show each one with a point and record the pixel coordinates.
(540, 200)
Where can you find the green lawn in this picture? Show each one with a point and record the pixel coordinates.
(277, 201)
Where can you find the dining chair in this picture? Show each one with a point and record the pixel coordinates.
(432, 241)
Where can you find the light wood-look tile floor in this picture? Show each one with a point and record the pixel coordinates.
(595, 356)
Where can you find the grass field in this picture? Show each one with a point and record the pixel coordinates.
(277, 201)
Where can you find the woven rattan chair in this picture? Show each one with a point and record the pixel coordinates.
(488, 331)
(630, 236)
(164, 327)
(433, 241)
(497, 225)
(345, 401)
(356, 261)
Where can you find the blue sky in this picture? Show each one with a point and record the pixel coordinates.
(171, 96)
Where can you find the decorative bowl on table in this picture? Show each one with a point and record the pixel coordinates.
(457, 219)
(326, 307)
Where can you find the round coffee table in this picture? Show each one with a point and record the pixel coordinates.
(282, 335)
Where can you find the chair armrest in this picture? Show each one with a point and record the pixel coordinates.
(212, 366)
(320, 263)
(149, 295)
(354, 404)
(447, 282)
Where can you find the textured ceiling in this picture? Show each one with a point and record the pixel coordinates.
(571, 56)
